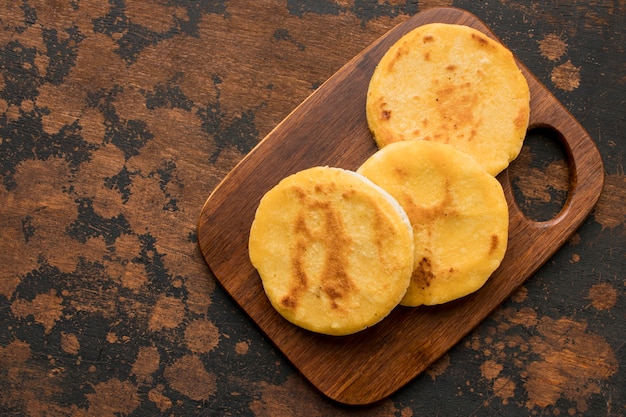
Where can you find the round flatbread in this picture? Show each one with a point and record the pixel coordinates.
(453, 84)
(458, 212)
(334, 250)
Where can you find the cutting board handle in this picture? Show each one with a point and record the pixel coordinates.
(585, 166)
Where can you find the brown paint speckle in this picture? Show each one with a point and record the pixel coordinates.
(46, 309)
(552, 47)
(566, 76)
(406, 412)
(146, 364)
(561, 361)
(70, 343)
(603, 296)
(189, 377)
(504, 388)
(25, 383)
(201, 336)
(113, 398)
(491, 369)
(610, 211)
(241, 348)
(157, 397)
(199, 290)
(154, 15)
(439, 367)
(520, 295)
(15, 353)
(134, 276)
(168, 313)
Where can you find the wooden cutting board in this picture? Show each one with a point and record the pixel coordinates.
(329, 128)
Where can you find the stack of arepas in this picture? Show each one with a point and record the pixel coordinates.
(423, 221)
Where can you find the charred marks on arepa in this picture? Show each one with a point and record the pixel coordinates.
(494, 244)
(421, 211)
(402, 51)
(481, 39)
(522, 118)
(297, 265)
(422, 274)
(319, 225)
(427, 39)
(384, 112)
(456, 104)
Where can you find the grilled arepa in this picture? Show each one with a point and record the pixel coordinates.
(453, 84)
(334, 250)
(458, 212)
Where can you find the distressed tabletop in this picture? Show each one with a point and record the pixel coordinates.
(118, 119)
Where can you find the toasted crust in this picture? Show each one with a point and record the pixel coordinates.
(334, 250)
(458, 212)
(451, 83)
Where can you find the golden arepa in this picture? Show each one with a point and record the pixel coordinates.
(334, 250)
(458, 212)
(453, 84)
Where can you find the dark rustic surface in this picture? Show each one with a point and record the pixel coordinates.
(118, 118)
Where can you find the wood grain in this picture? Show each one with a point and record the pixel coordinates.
(329, 128)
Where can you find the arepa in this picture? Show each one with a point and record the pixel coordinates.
(334, 251)
(458, 212)
(453, 84)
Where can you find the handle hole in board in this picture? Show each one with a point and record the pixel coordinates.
(540, 175)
